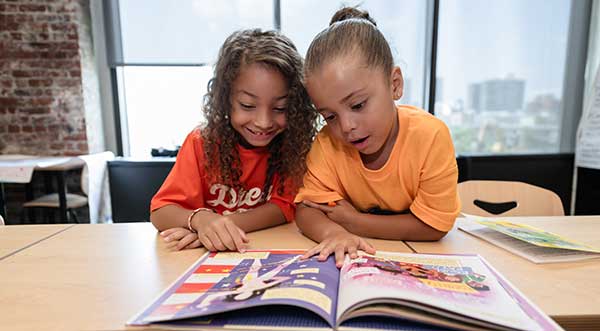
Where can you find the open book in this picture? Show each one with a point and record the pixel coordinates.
(274, 289)
(534, 244)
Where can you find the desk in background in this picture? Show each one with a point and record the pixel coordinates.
(19, 168)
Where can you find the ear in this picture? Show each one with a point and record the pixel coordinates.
(397, 83)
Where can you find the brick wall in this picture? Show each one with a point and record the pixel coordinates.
(41, 99)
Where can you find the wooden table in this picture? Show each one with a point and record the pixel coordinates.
(568, 292)
(16, 238)
(97, 276)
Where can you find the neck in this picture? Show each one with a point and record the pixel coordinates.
(379, 158)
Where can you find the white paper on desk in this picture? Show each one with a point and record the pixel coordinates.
(588, 134)
(19, 168)
(15, 174)
(97, 184)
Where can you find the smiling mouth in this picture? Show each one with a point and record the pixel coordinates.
(260, 134)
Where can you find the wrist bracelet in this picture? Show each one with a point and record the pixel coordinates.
(189, 220)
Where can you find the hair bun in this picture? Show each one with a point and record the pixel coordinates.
(346, 13)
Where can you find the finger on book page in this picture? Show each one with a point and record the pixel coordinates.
(340, 252)
(235, 241)
(352, 252)
(316, 249)
(367, 247)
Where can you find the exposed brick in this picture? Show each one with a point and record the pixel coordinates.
(38, 110)
(32, 8)
(9, 102)
(68, 82)
(41, 100)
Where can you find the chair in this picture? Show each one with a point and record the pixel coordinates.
(74, 201)
(508, 198)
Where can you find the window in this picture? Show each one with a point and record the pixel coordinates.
(403, 24)
(500, 65)
(163, 60)
(500, 69)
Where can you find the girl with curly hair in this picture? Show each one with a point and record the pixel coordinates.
(240, 171)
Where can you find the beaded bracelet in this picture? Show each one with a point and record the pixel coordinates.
(189, 220)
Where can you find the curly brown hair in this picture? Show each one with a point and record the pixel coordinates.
(288, 150)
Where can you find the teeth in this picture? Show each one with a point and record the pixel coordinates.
(259, 133)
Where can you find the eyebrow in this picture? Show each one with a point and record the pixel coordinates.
(344, 99)
(255, 96)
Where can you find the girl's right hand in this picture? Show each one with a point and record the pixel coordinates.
(340, 243)
(219, 233)
(180, 238)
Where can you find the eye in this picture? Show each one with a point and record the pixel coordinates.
(246, 106)
(280, 109)
(329, 117)
(358, 106)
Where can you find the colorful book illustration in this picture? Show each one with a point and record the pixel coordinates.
(276, 290)
(534, 244)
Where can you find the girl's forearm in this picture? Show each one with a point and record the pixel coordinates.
(315, 224)
(262, 217)
(393, 227)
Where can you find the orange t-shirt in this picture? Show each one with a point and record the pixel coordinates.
(187, 185)
(420, 175)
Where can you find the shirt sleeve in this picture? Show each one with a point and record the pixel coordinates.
(284, 201)
(320, 183)
(184, 184)
(437, 202)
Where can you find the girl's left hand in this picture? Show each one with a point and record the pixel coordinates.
(342, 212)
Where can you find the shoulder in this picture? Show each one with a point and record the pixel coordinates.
(420, 123)
(193, 146)
(195, 138)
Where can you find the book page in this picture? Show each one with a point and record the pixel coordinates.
(533, 253)
(462, 285)
(227, 281)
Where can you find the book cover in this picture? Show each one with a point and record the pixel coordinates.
(535, 236)
(533, 244)
(274, 289)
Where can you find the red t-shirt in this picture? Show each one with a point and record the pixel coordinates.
(187, 184)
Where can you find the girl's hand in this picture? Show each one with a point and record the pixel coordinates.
(340, 243)
(342, 212)
(180, 238)
(219, 233)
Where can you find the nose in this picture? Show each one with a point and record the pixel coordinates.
(263, 119)
(347, 123)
